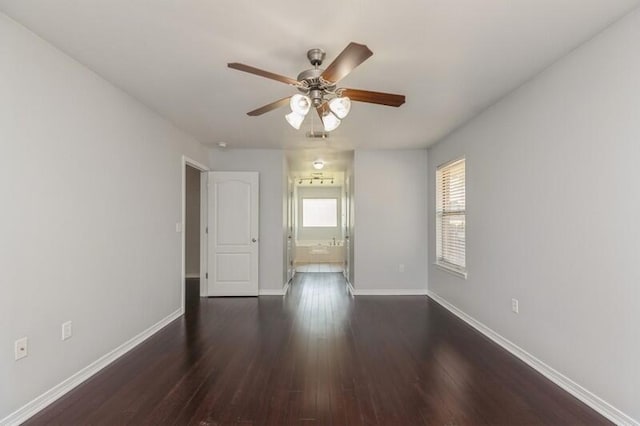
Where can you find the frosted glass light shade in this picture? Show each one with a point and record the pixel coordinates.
(300, 104)
(294, 119)
(330, 121)
(318, 164)
(340, 106)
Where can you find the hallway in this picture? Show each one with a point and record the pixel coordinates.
(318, 357)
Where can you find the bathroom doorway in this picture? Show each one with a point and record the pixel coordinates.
(319, 224)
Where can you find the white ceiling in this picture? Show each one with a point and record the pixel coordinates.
(450, 58)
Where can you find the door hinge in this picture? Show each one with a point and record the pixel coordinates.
(206, 230)
(206, 275)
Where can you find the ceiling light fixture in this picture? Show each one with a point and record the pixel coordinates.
(294, 119)
(318, 88)
(330, 121)
(340, 106)
(318, 164)
(300, 106)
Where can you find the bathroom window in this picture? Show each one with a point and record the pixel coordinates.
(319, 212)
(451, 217)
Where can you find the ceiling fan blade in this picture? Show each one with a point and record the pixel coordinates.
(352, 56)
(262, 73)
(380, 98)
(269, 107)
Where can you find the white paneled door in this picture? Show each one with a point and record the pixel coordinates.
(233, 234)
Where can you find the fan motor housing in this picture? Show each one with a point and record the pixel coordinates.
(311, 75)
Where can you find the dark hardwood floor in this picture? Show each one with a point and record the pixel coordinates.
(317, 357)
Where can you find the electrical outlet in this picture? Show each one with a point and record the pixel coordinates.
(515, 306)
(66, 330)
(401, 267)
(21, 348)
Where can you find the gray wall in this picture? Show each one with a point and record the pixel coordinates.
(390, 213)
(552, 216)
(192, 223)
(90, 188)
(269, 163)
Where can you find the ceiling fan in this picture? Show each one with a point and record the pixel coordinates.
(318, 88)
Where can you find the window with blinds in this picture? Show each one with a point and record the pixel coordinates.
(450, 216)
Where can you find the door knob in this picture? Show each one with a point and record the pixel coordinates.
(253, 240)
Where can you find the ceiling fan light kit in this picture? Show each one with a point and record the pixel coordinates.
(300, 104)
(340, 106)
(294, 119)
(318, 88)
(330, 121)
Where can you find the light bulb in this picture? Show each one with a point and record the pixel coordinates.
(330, 121)
(300, 104)
(294, 119)
(340, 106)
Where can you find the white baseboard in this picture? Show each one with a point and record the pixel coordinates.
(286, 288)
(592, 400)
(33, 407)
(350, 287)
(388, 292)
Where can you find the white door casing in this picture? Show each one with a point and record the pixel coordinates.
(233, 233)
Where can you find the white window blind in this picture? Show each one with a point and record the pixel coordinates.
(450, 216)
(320, 212)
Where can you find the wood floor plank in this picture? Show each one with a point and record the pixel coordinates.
(317, 357)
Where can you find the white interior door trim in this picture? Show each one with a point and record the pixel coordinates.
(186, 161)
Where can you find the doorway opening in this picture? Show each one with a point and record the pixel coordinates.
(192, 209)
(320, 211)
(193, 228)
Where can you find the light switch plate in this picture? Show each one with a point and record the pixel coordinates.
(21, 348)
(67, 331)
(178, 226)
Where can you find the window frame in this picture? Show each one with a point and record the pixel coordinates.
(337, 213)
(442, 212)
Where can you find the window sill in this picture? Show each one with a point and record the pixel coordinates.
(452, 270)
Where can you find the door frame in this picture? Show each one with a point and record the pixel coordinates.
(186, 161)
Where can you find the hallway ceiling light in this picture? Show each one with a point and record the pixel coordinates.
(318, 164)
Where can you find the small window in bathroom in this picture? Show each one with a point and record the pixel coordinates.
(319, 212)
